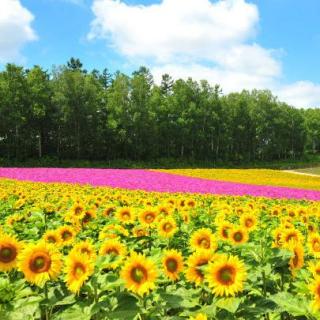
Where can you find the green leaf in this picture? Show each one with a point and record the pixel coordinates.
(229, 304)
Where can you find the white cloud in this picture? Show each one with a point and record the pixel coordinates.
(15, 29)
(202, 39)
(301, 94)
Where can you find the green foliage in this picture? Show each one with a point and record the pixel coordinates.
(75, 114)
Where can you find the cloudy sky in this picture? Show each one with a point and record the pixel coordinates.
(272, 44)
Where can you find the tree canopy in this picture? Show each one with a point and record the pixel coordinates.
(72, 113)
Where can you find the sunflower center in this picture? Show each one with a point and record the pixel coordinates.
(226, 275)
(249, 223)
(7, 253)
(149, 217)
(87, 218)
(52, 239)
(138, 274)
(113, 252)
(172, 265)
(204, 243)
(85, 250)
(225, 233)
(290, 237)
(316, 246)
(198, 268)
(78, 270)
(126, 215)
(167, 227)
(40, 263)
(295, 260)
(238, 236)
(66, 235)
(77, 211)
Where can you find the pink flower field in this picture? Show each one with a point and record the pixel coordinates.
(152, 181)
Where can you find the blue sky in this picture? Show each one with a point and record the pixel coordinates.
(272, 44)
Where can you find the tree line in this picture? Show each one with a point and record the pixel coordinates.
(71, 113)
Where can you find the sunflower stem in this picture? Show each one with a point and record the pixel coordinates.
(46, 309)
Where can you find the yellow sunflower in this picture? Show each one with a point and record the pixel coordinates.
(203, 239)
(78, 269)
(140, 231)
(126, 215)
(199, 316)
(89, 215)
(139, 274)
(291, 237)
(167, 227)
(224, 229)
(10, 248)
(277, 236)
(52, 236)
(297, 260)
(314, 268)
(147, 217)
(39, 263)
(172, 263)
(85, 248)
(109, 211)
(116, 250)
(314, 245)
(248, 221)
(195, 263)
(315, 291)
(67, 235)
(226, 275)
(239, 235)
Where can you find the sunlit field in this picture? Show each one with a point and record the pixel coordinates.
(72, 251)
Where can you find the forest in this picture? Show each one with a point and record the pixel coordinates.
(73, 113)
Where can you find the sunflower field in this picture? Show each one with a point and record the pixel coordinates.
(70, 251)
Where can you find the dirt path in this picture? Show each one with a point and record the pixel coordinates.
(302, 173)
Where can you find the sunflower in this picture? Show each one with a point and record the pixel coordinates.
(85, 248)
(195, 262)
(312, 228)
(172, 263)
(147, 217)
(224, 229)
(239, 235)
(67, 234)
(291, 237)
(248, 221)
(9, 250)
(77, 211)
(226, 275)
(167, 227)
(126, 215)
(297, 260)
(315, 290)
(139, 274)
(40, 262)
(314, 268)
(203, 239)
(199, 316)
(89, 215)
(52, 236)
(112, 231)
(314, 245)
(164, 210)
(140, 231)
(116, 250)
(109, 211)
(277, 235)
(78, 269)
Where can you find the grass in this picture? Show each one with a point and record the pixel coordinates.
(315, 170)
(307, 161)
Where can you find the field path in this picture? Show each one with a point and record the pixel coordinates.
(302, 173)
(152, 181)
